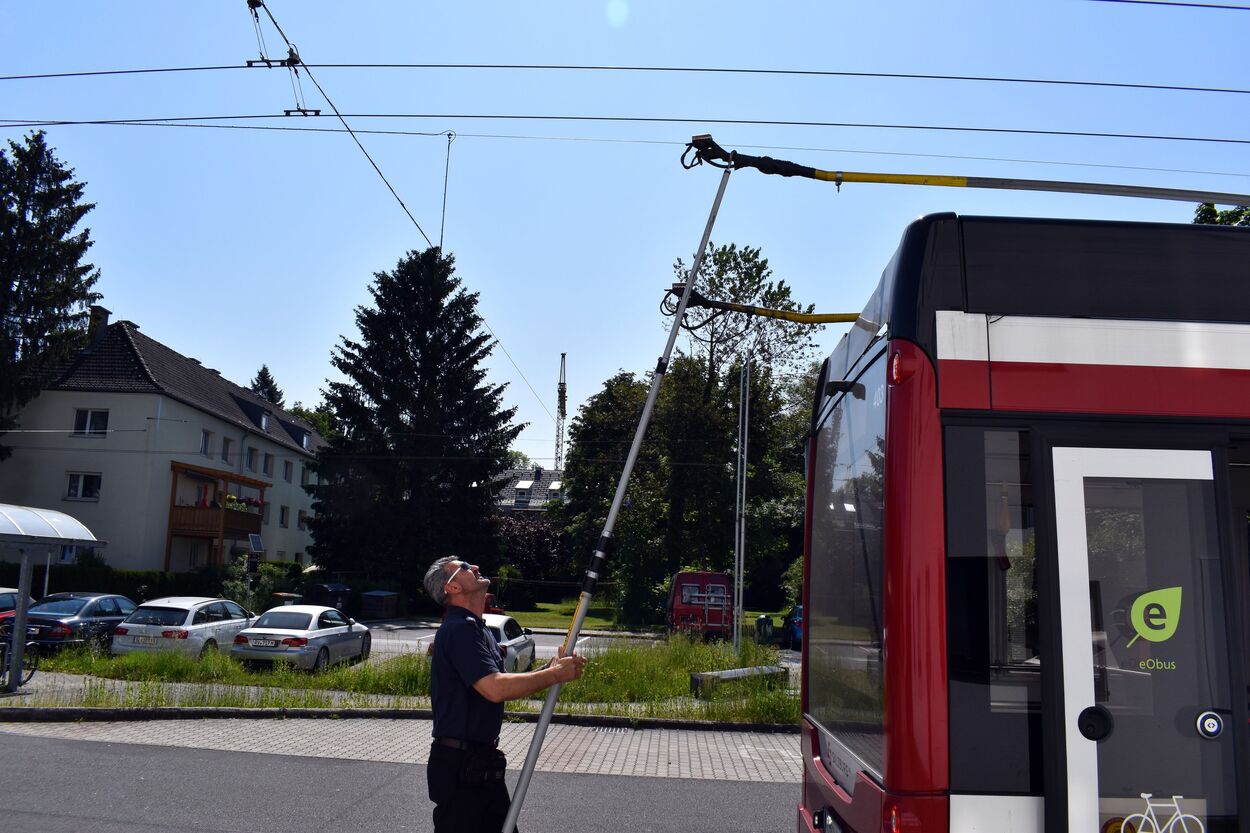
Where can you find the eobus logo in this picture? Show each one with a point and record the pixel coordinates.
(1156, 614)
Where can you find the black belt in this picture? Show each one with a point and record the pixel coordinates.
(456, 743)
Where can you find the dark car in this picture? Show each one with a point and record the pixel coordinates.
(792, 628)
(76, 619)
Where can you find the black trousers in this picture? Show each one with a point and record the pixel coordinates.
(460, 805)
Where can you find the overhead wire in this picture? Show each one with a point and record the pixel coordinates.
(633, 141)
(812, 73)
(1018, 131)
(294, 54)
(1178, 3)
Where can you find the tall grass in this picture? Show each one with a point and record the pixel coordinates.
(630, 679)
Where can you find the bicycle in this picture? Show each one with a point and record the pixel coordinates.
(1137, 823)
(30, 660)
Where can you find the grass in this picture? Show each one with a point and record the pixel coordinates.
(560, 615)
(631, 680)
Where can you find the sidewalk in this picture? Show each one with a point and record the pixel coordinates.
(656, 753)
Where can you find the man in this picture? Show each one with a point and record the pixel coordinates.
(468, 688)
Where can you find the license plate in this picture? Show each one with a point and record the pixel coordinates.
(264, 643)
(145, 640)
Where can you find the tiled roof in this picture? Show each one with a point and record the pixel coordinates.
(539, 492)
(124, 360)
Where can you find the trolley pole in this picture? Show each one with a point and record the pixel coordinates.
(740, 527)
(595, 569)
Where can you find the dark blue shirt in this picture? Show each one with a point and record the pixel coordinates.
(464, 652)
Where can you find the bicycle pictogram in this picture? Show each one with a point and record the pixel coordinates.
(1148, 822)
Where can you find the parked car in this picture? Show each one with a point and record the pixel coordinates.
(8, 601)
(311, 637)
(792, 628)
(62, 619)
(516, 644)
(188, 624)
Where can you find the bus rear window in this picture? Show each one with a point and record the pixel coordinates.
(845, 687)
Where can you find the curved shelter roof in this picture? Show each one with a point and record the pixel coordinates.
(29, 525)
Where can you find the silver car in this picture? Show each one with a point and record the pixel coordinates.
(191, 625)
(307, 636)
(516, 644)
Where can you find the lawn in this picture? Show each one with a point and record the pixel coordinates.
(560, 615)
(643, 679)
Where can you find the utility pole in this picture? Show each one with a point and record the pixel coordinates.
(562, 402)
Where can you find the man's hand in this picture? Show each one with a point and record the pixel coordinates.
(566, 669)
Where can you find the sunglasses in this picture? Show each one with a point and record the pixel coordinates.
(460, 565)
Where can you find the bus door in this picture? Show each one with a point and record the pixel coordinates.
(1147, 711)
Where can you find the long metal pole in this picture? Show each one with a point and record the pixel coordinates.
(744, 449)
(19, 624)
(605, 539)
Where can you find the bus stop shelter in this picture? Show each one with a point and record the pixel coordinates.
(31, 532)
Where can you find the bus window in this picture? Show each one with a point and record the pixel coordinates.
(992, 609)
(843, 620)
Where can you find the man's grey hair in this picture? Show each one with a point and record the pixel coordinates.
(436, 579)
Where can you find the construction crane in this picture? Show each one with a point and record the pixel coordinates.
(562, 401)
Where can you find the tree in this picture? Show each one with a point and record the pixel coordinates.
(266, 388)
(320, 418)
(412, 474)
(1207, 214)
(741, 276)
(519, 460)
(45, 287)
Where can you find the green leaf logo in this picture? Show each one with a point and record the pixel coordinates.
(1156, 614)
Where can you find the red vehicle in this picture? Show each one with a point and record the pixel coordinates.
(701, 603)
(1025, 591)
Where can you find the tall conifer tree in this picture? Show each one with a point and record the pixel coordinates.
(412, 475)
(45, 287)
(266, 388)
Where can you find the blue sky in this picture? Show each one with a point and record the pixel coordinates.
(240, 247)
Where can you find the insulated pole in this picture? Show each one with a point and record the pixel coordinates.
(740, 548)
(595, 569)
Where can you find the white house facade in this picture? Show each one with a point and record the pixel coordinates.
(170, 464)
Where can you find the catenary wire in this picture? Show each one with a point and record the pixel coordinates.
(1087, 134)
(668, 143)
(904, 76)
(1178, 3)
(355, 138)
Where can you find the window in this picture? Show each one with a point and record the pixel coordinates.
(992, 613)
(107, 607)
(846, 691)
(206, 443)
(302, 520)
(68, 553)
(251, 459)
(284, 516)
(264, 422)
(264, 514)
(201, 616)
(281, 555)
(217, 612)
(193, 556)
(83, 486)
(90, 423)
(299, 558)
(288, 471)
(235, 611)
(331, 619)
(225, 449)
(304, 441)
(269, 465)
(303, 475)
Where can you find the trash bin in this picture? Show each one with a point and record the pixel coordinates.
(764, 629)
(286, 598)
(378, 604)
(329, 595)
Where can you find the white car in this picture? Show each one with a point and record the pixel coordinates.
(516, 644)
(307, 636)
(188, 624)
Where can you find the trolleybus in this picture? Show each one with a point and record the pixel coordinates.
(1026, 549)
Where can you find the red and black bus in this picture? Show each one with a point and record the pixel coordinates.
(1026, 576)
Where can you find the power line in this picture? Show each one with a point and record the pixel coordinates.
(667, 143)
(1177, 3)
(295, 56)
(1018, 131)
(811, 73)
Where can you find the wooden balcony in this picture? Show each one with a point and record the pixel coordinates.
(209, 522)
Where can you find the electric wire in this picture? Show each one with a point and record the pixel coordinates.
(518, 370)
(1177, 3)
(667, 143)
(295, 55)
(812, 73)
(442, 223)
(1018, 131)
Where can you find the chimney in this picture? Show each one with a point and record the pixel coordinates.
(97, 325)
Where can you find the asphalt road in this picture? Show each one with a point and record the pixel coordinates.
(59, 786)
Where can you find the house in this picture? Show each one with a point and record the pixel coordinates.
(529, 490)
(169, 463)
